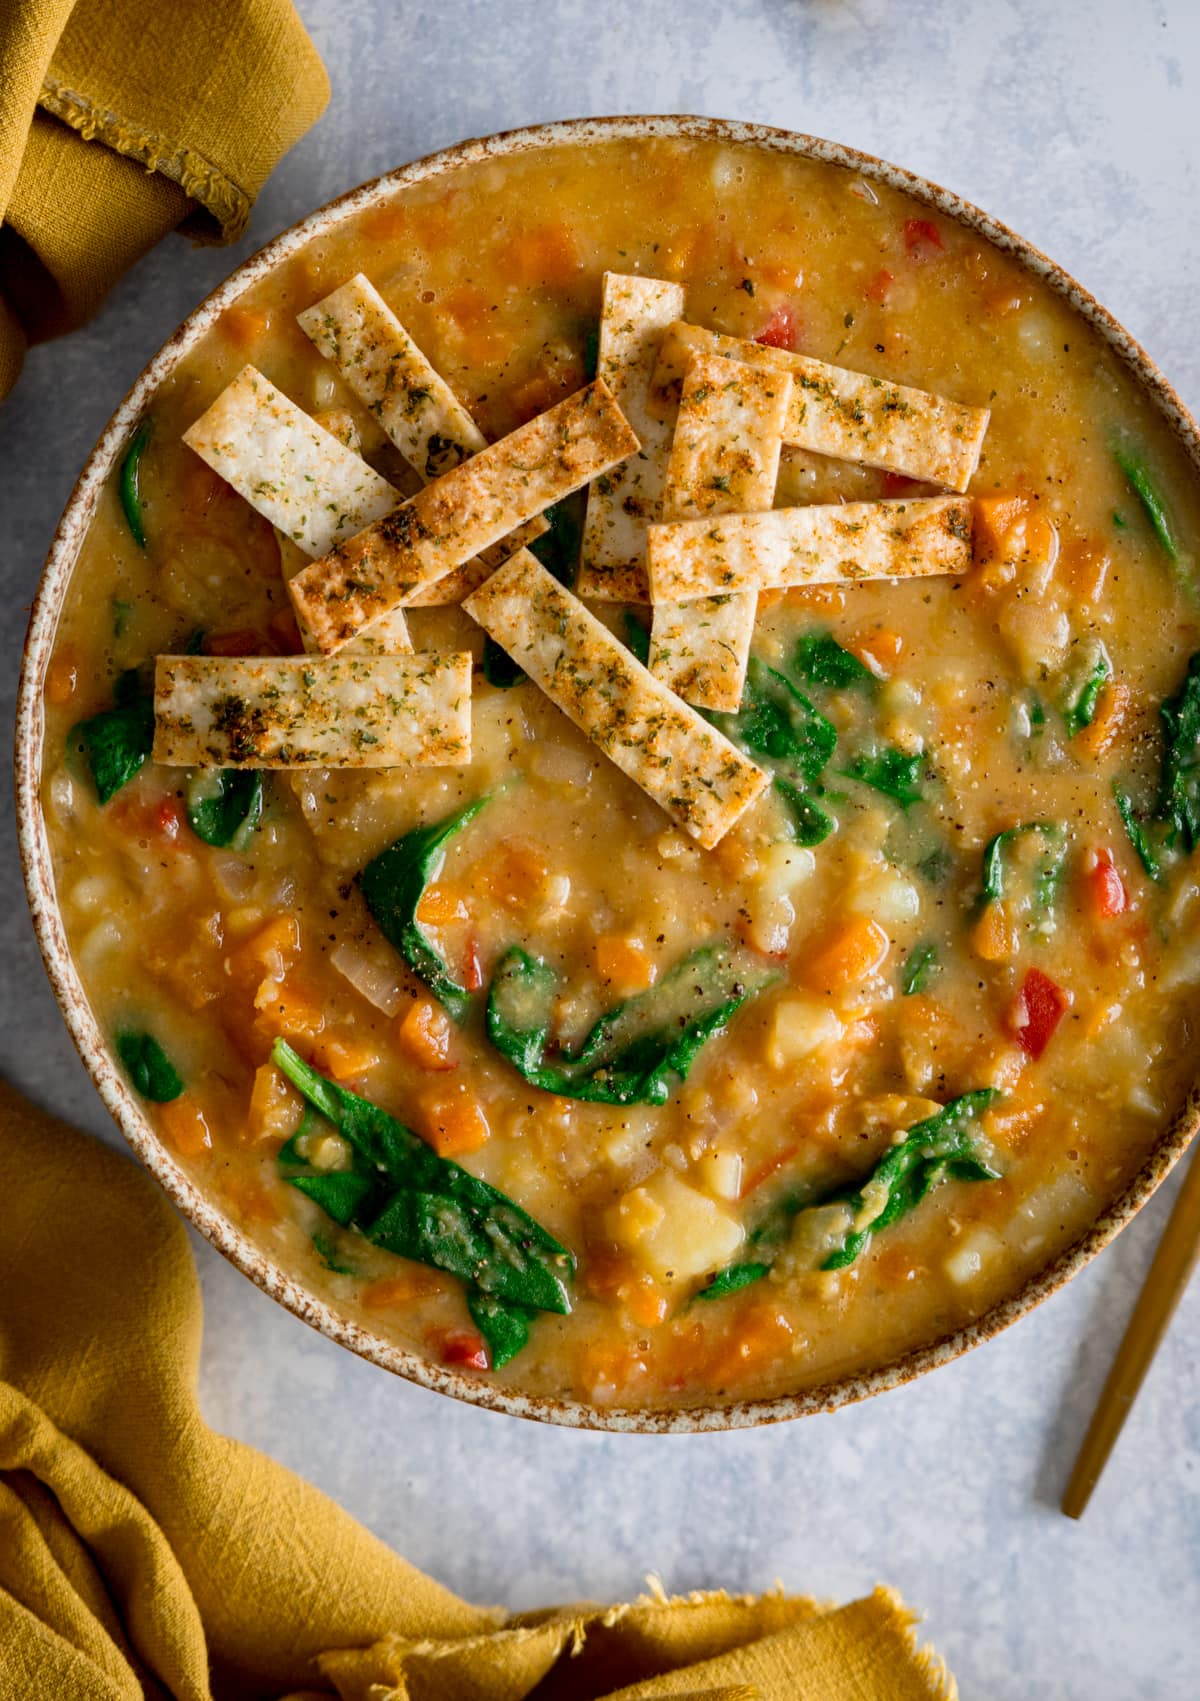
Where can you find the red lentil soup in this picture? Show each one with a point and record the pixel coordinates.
(968, 970)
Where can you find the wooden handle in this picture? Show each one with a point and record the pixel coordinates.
(1169, 1275)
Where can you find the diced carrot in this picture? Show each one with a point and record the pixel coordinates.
(822, 599)
(996, 517)
(922, 240)
(515, 874)
(895, 1266)
(345, 1056)
(769, 598)
(880, 651)
(288, 1008)
(472, 312)
(384, 224)
(185, 1127)
(606, 1370)
(270, 950)
(62, 676)
(857, 949)
(544, 256)
(251, 1201)
(275, 1106)
(623, 963)
(243, 326)
(440, 905)
(894, 484)
(453, 1122)
(783, 328)
(1003, 301)
(994, 936)
(760, 1338)
(425, 1034)
(646, 1302)
(1097, 739)
(199, 486)
(148, 818)
(237, 641)
(764, 1171)
(472, 965)
(1083, 567)
(537, 394)
(880, 287)
(413, 1281)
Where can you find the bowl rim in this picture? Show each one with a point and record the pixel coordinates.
(37, 867)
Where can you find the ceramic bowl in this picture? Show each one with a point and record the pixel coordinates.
(35, 850)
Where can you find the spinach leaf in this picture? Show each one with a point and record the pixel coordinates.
(889, 771)
(504, 1327)
(941, 1148)
(778, 721)
(499, 669)
(1174, 822)
(1085, 680)
(921, 969)
(428, 1208)
(820, 660)
(327, 1252)
(1179, 790)
(117, 741)
(558, 549)
(393, 884)
(637, 638)
(131, 499)
(1146, 836)
(732, 1279)
(631, 1054)
(1034, 880)
(121, 613)
(341, 1193)
(149, 1067)
(1138, 478)
(224, 805)
(591, 352)
(810, 823)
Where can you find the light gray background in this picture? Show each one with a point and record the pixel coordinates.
(1075, 121)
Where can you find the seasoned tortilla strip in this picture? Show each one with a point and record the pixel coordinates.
(313, 711)
(847, 415)
(724, 460)
(357, 330)
(673, 753)
(461, 513)
(467, 578)
(612, 559)
(813, 545)
(315, 489)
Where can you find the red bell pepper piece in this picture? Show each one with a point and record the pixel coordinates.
(1035, 1012)
(922, 239)
(782, 329)
(1106, 889)
(465, 1347)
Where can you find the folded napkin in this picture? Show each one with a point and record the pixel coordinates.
(142, 1555)
(121, 119)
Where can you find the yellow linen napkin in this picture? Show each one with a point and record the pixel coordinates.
(121, 119)
(142, 1555)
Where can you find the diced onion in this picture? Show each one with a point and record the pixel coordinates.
(376, 981)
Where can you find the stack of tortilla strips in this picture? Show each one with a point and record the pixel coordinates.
(677, 440)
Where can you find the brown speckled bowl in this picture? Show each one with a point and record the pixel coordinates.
(39, 877)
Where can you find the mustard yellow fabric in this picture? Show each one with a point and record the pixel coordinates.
(122, 119)
(143, 1555)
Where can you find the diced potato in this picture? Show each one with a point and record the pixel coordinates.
(801, 1026)
(974, 1252)
(674, 1231)
(815, 1234)
(721, 1172)
(888, 897)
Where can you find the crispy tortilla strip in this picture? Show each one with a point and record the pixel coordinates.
(724, 460)
(612, 559)
(684, 764)
(460, 514)
(849, 416)
(312, 711)
(315, 489)
(357, 330)
(814, 545)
